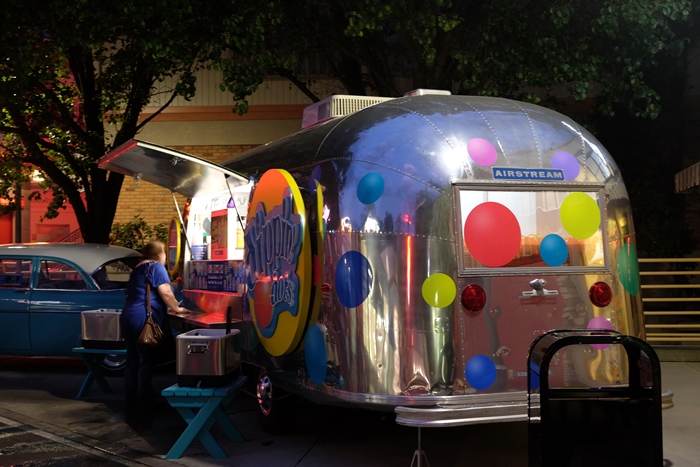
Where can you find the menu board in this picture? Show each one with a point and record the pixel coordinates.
(217, 276)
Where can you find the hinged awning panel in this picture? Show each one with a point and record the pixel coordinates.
(182, 173)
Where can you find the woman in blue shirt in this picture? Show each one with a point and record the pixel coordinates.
(140, 362)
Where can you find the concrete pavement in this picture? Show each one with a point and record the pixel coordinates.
(38, 395)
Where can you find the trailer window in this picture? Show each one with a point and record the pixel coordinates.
(531, 228)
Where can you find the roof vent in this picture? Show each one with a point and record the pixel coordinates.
(337, 106)
(423, 92)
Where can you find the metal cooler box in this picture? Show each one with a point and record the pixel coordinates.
(100, 329)
(207, 357)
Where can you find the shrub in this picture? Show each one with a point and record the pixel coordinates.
(136, 233)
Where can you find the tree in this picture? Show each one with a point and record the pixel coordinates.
(545, 51)
(74, 78)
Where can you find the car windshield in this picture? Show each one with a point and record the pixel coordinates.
(115, 274)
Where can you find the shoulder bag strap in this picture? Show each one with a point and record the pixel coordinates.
(148, 290)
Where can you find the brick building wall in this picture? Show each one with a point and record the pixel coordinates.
(155, 204)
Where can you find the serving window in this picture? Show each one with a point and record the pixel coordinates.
(531, 228)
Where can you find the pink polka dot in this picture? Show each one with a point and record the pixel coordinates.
(482, 152)
(599, 322)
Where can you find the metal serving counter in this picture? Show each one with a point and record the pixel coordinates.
(209, 310)
(200, 320)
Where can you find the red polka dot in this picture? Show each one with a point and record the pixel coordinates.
(492, 234)
(263, 305)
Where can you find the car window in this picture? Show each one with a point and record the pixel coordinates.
(57, 275)
(115, 274)
(15, 273)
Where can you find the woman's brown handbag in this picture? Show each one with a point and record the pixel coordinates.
(151, 335)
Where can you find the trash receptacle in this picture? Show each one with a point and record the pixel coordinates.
(616, 424)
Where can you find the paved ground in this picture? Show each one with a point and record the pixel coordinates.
(42, 424)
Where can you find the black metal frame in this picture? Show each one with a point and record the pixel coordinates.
(616, 425)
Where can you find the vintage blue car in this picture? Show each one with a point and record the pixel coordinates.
(45, 286)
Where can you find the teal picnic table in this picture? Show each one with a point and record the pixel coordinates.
(211, 403)
(93, 360)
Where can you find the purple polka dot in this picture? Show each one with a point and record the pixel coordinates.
(315, 176)
(568, 163)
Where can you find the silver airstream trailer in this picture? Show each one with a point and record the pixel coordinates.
(407, 254)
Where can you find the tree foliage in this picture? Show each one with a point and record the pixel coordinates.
(74, 79)
(76, 75)
(545, 51)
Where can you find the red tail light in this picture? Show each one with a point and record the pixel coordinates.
(600, 294)
(473, 298)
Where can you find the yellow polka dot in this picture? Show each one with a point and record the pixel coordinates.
(439, 290)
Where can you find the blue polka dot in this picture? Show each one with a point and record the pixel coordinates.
(480, 372)
(370, 188)
(553, 250)
(353, 279)
(315, 354)
(534, 376)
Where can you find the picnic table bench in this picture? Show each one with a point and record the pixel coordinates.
(93, 360)
(211, 403)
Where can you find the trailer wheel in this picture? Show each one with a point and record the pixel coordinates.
(276, 408)
(113, 364)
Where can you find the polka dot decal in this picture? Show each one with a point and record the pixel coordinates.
(439, 290)
(628, 268)
(568, 163)
(482, 152)
(492, 234)
(553, 250)
(480, 372)
(263, 305)
(315, 177)
(599, 322)
(370, 188)
(580, 215)
(353, 279)
(315, 354)
(534, 376)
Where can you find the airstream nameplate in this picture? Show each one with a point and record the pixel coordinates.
(511, 173)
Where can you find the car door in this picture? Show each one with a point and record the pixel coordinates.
(15, 278)
(61, 293)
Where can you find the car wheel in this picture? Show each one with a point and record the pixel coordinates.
(113, 364)
(276, 408)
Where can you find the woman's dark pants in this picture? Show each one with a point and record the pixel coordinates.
(138, 377)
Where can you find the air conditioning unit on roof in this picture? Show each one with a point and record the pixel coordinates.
(337, 106)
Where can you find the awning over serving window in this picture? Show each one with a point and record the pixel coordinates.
(179, 172)
(688, 178)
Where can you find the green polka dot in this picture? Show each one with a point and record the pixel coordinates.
(580, 215)
(628, 268)
(439, 290)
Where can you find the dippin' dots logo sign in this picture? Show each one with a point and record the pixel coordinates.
(278, 262)
(274, 242)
